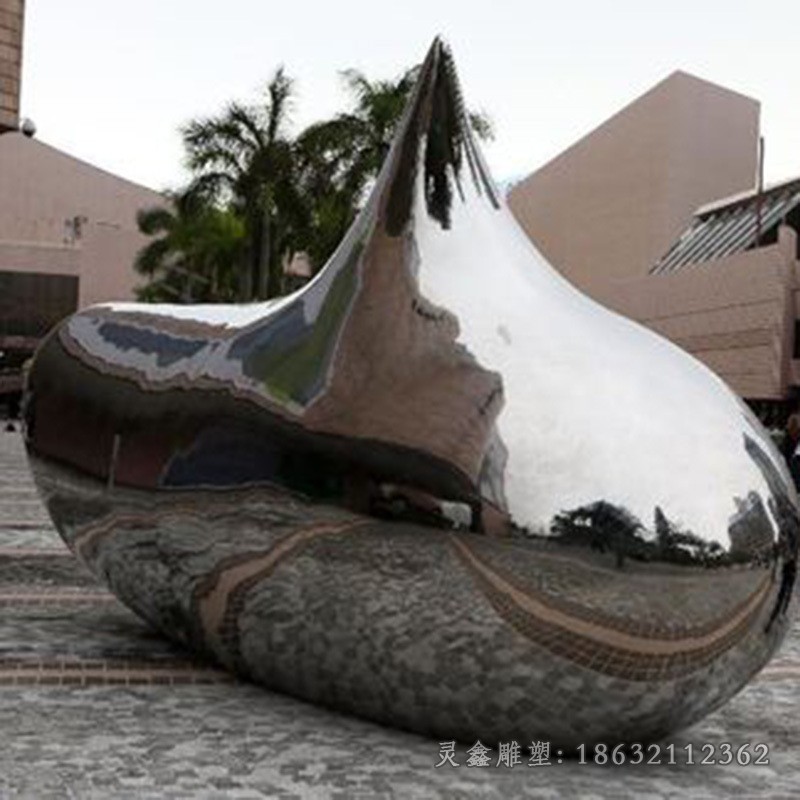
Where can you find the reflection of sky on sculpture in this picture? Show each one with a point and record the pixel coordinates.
(168, 349)
(223, 359)
(88, 331)
(596, 406)
(228, 316)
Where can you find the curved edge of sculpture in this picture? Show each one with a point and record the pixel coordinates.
(437, 487)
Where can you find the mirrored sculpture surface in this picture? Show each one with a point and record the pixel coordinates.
(437, 487)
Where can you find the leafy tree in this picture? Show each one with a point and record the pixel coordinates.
(194, 252)
(340, 157)
(265, 194)
(245, 157)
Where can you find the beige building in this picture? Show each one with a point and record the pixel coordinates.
(728, 291)
(610, 205)
(632, 215)
(12, 13)
(68, 233)
(60, 215)
(68, 238)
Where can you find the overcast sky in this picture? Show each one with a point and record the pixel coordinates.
(111, 82)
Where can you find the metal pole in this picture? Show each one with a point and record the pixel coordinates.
(759, 189)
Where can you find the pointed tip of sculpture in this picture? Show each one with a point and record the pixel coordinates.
(438, 45)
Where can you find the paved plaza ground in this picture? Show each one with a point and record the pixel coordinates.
(94, 705)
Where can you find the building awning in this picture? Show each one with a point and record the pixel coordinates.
(730, 226)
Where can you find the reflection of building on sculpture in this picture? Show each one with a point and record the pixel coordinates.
(631, 214)
(749, 528)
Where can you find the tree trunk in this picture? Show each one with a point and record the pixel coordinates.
(265, 286)
(275, 275)
(251, 274)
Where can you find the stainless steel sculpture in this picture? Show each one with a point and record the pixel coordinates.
(437, 487)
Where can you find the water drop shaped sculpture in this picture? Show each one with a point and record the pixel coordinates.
(437, 487)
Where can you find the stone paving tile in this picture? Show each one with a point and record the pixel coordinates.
(106, 673)
(93, 704)
(37, 567)
(26, 513)
(95, 631)
(33, 537)
(240, 741)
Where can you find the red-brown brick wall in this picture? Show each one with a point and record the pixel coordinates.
(12, 13)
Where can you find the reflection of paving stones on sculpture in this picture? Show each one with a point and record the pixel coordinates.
(594, 639)
(639, 596)
(380, 618)
(113, 729)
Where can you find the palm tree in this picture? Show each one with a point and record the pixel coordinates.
(282, 194)
(331, 187)
(378, 107)
(194, 253)
(338, 158)
(244, 157)
(349, 150)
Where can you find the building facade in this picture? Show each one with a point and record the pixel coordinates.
(728, 292)
(611, 204)
(12, 13)
(68, 238)
(655, 216)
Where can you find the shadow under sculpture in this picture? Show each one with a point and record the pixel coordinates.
(437, 487)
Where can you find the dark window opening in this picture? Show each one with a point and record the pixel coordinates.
(793, 221)
(31, 303)
(796, 347)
